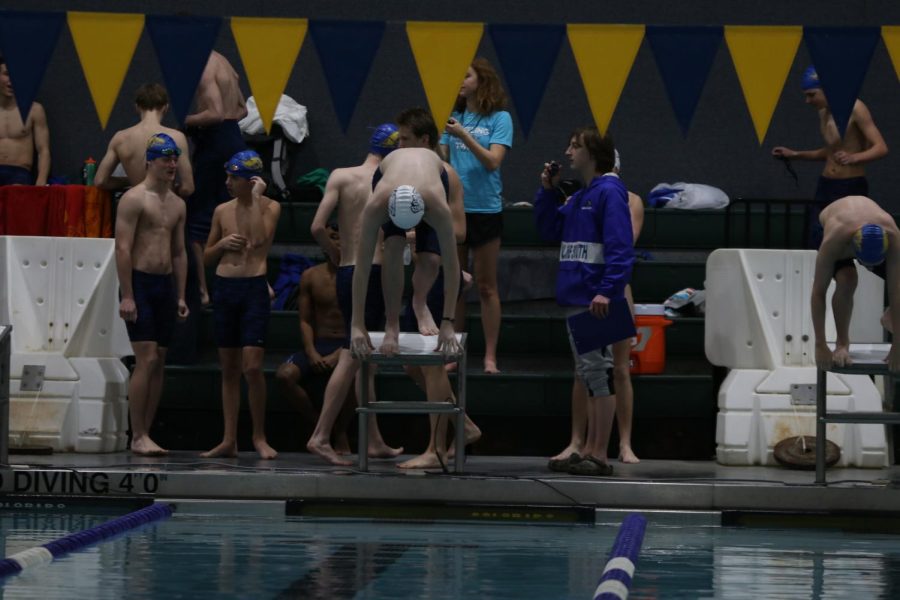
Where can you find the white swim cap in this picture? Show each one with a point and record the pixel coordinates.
(406, 207)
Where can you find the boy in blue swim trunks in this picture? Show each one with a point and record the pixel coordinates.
(346, 191)
(845, 157)
(242, 232)
(215, 136)
(854, 228)
(149, 251)
(323, 335)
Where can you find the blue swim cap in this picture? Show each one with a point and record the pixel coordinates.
(870, 243)
(246, 164)
(810, 80)
(161, 145)
(384, 140)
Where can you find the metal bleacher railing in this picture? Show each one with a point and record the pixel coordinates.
(767, 223)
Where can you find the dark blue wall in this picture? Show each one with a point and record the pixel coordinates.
(720, 149)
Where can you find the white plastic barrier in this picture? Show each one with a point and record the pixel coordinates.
(758, 324)
(61, 296)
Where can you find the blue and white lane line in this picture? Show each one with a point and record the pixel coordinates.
(42, 555)
(616, 579)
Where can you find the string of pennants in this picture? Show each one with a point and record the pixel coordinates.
(604, 54)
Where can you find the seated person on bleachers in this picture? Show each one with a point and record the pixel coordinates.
(322, 332)
(126, 148)
(854, 227)
(239, 241)
(19, 141)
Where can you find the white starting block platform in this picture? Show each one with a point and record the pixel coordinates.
(417, 350)
(759, 325)
(68, 386)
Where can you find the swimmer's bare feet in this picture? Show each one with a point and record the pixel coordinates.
(426, 460)
(390, 344)
(144, 446)
(568, 451)
(378, 449)
(342, 444)
(490, 366)
(224, 450)
(627, 455)
(426, 322)
(472, 435)
(265, 451)
(326, 452)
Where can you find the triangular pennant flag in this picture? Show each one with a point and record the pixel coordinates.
(443, 52)
(105, 43)
(346, 50)
(183, 46)
(684, 56)
(268, 49)
(762, 58)
(891, 36)
(841, 56)
(527, 54)
(27, 40)
(604, 55)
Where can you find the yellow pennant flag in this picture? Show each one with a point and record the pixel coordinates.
(105, 43)
(891, 36)
(443, 53)
(762, 58)
(269, 49)
(604, 55)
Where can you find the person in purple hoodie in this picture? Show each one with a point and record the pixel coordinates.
(595, 260)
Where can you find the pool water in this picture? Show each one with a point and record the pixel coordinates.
(216, 556)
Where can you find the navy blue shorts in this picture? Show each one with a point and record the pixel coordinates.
(374, 299)
(241, 308)
(157, 308)
(435, 302)
(324, 346)
(426, 236)
(827, 191)
(11, 175)
(213, 146)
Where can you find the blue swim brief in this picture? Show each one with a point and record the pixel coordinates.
(12, 175)
(241, 308)
(374, 299)
(157, 308)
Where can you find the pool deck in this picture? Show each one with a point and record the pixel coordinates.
(488, 480)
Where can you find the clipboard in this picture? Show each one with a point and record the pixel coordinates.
(590, 333)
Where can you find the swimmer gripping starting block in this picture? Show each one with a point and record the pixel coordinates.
(415, 350)
(68, 386)
(758, 324)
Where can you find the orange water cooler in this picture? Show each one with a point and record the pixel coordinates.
(648, 354)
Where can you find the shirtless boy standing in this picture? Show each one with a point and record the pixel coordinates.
(239, 241)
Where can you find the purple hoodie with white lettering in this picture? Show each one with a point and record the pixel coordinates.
(594, 226)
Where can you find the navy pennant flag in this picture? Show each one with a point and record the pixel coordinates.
(27, 40)
(527, 54)
(684, 56)
(841, 57)
(346, 51)
(183, 46)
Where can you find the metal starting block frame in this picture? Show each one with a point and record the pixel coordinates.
(415, 350)
(868, 359)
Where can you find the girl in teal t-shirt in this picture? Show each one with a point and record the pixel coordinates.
(475, 141)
